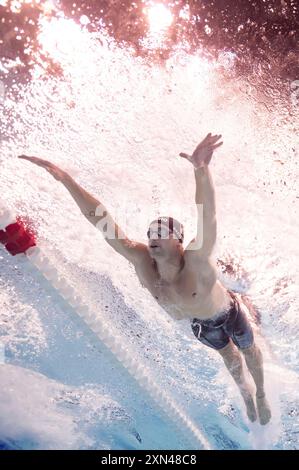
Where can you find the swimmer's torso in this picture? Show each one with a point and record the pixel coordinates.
(196, 293)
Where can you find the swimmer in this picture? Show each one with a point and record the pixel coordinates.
(184, 281)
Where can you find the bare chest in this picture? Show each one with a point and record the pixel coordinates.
(189, 296)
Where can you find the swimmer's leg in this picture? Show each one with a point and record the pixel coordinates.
(243, 337)
(233, 361)
(254, 361)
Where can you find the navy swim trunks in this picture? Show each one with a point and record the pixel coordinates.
(233, 323)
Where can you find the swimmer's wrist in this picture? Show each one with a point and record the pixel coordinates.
(201, 170)
(66, 178)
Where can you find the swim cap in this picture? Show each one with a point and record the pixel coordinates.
(172, 224)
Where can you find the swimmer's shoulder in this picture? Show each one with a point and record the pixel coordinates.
(195, 259)
(140, 254)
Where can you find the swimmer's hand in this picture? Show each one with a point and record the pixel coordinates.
(203, 153)
(58, 174)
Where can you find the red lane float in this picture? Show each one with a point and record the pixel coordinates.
(17, 237)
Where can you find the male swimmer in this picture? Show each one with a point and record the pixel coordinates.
(184, 281)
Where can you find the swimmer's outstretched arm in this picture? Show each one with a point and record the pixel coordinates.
(204, 197)
(95, 212)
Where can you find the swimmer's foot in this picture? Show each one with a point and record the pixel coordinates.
(250, 406)
(263, 409)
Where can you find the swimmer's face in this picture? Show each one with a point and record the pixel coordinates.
(162, 242)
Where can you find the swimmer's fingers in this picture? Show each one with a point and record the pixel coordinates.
(212, 139)
(208, 141)
(217, 145)
(37, 161)
(210, 153)
(203, 153)
(215, 137)
(50, 167)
